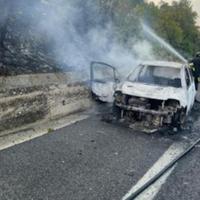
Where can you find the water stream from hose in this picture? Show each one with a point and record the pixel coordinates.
(161, 41)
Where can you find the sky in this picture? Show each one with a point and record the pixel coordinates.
(195, 3)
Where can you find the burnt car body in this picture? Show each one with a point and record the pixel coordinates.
(154, 94)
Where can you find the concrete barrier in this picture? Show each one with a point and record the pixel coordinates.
(27, 99)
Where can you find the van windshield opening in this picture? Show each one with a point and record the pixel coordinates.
(157, 75)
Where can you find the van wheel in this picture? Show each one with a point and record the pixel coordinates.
(179, 119)
(182, 117)
(116, 112)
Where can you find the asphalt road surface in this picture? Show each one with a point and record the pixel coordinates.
(95, 160)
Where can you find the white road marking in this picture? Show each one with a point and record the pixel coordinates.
(23, 136)
(149, 194)
(152, 191)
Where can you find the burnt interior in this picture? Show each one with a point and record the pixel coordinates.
(145, 103)
(148, 119)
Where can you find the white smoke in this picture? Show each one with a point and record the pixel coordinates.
(61, 21)
(76, 36)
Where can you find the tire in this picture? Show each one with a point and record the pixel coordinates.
(116, 112)
(182, 117)
(179, 119)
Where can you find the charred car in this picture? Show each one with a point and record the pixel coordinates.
(153, 95)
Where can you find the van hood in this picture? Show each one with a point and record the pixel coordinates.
(153, 91)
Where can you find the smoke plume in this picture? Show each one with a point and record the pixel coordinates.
(73, 33)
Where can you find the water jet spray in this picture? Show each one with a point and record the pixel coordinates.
(161, 41)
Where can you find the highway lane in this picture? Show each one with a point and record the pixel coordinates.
(89, 160)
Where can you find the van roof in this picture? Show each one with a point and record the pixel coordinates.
(163, 64)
